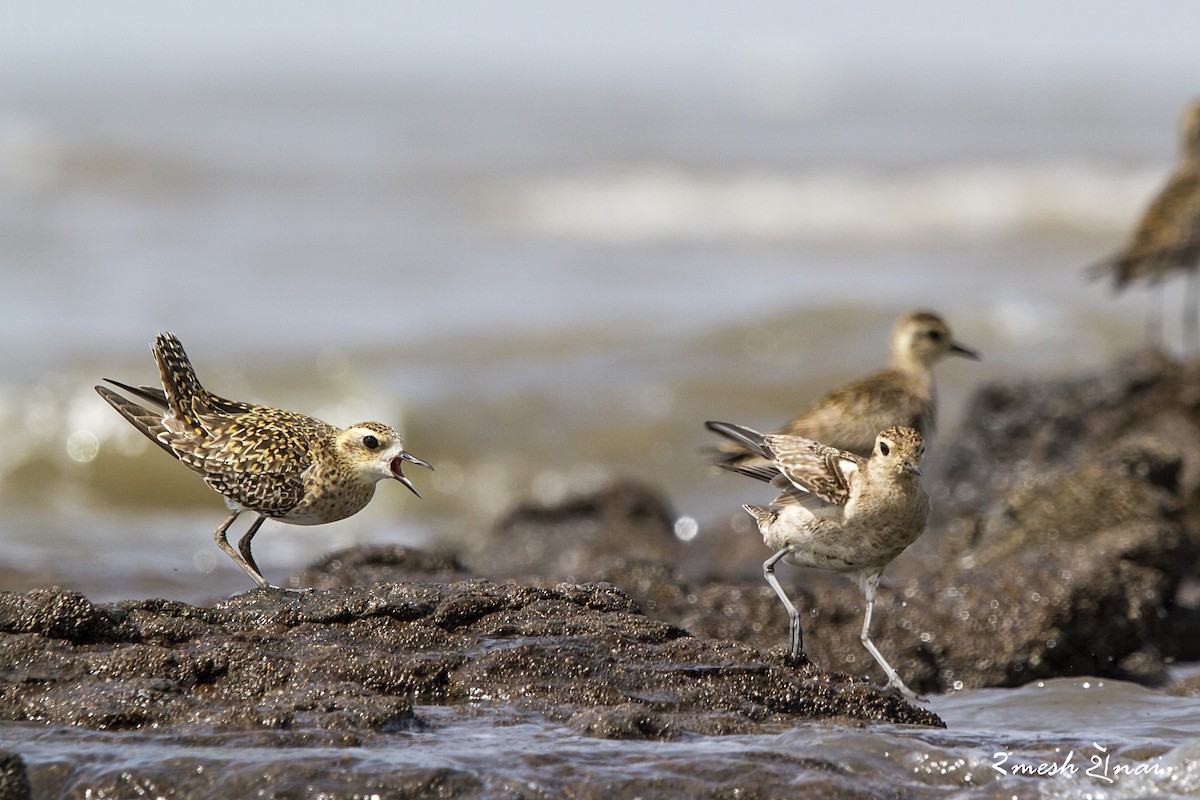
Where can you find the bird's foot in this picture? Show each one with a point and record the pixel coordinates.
(898, 686)
(789, 658)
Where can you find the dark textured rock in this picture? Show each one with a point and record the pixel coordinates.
(1085, 494)
(14, 781)
(564, 539)
(59, 615)
(338, 665)
(1018, 432)
(343, 668)
(362, 566)
(1066, 522)
(1065, 519)
(1131, 482)
(287, 778)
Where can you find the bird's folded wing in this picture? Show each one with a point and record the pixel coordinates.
(812, 467)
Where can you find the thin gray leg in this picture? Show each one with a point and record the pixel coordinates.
(219, 537)
(244, 549)
(870, 582)
(797, 635)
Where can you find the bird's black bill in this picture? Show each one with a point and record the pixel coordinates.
(398, 473)
(410, 457)
(965, 352)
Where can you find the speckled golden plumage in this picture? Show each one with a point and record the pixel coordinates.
(849, 417)
(836, 511)
(1167, 238)
(279, 464)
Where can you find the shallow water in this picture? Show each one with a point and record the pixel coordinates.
(1067, 738)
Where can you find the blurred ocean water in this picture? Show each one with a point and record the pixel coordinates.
(547, 241)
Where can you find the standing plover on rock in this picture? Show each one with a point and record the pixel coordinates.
(837, 511)
(279, 464)
(1167, 239)
(850, 416)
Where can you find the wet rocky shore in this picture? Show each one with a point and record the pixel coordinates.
(343, 667)
(1064, 542)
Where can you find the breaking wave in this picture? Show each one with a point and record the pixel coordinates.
(964, 202)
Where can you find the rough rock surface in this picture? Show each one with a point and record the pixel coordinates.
(14, 781)
(1064, 542)
(1017, 432)
(562, 540)
(1085, 494)
(339, 664)
(362, 566)
(343, 668)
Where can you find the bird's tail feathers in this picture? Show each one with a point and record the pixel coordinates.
(151, 394)
(762, 473)
(184, 394)
(762, 515)
(748, 438)
(148, 422)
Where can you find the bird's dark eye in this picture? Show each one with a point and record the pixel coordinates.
(370, 442)
(934, 335)
(884, 449)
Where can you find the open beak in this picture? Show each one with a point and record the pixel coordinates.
(398, 473)
(965, 352)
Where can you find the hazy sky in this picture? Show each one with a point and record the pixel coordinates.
(616, 38)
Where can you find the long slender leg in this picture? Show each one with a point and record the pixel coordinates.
(244, 549)
(797, 635)
(870, 582)
(219, 537)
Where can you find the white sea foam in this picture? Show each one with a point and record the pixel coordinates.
(967, 201)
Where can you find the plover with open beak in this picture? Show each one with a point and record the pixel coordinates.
(278, 464)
